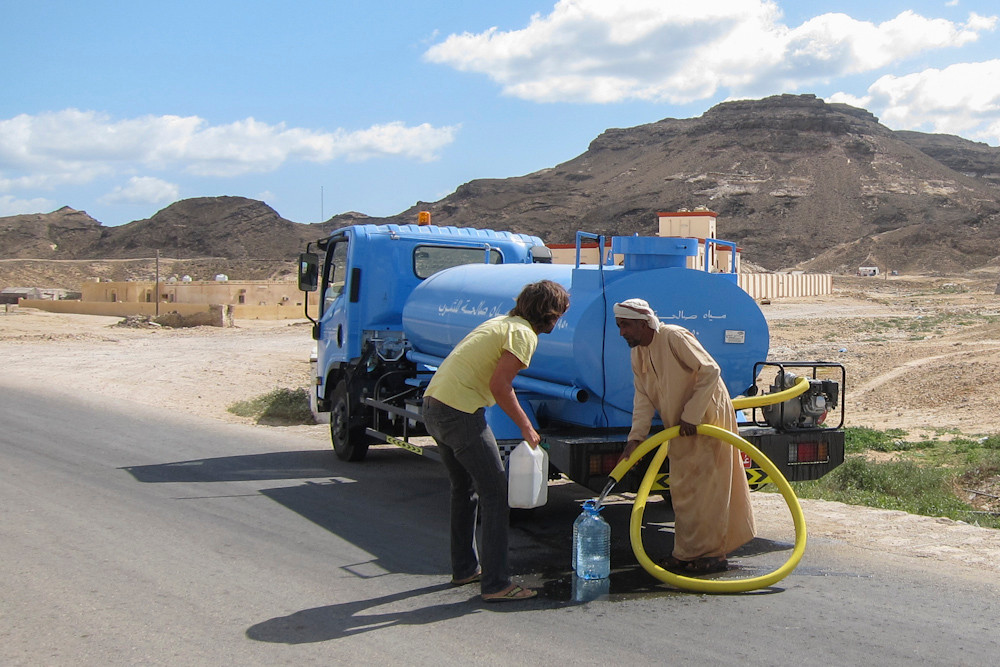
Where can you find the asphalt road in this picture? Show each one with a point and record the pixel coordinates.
(133, 536)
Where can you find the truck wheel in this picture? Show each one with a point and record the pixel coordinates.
(350, 443)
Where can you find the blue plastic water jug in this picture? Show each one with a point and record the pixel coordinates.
(591, 543)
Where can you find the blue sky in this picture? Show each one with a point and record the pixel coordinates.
(323, 107)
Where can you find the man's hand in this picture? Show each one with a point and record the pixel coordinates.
(688, 429)
(629, 448)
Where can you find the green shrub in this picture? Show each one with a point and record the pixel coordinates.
(895, 485)
(986, 464)
(281, 407)
(991, 442)
(861, 438)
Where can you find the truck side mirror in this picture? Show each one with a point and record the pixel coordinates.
(308, 271)
(541, 254)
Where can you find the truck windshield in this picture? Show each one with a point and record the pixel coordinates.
(428, 260)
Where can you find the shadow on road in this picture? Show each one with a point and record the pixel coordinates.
(347, 619)
(276, 465)
(394, 507)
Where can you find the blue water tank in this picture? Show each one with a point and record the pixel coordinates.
(585, 349)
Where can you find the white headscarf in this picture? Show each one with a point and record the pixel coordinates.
(637, 309)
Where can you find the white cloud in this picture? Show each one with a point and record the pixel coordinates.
(142, 190)
(10, 205)
(73, 146)
(608, 51)
(977, 22)
(421, 142)
(850, 46)
(961, 99)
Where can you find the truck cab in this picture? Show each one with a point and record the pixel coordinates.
(364, 279)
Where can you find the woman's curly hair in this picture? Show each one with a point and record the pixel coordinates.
(540, 303)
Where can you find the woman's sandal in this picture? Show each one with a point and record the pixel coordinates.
(515, 592)
(468, 580)
(707, 565)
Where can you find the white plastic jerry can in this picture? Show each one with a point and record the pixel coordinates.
(527, 476)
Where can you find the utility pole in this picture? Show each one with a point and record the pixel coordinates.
(156, 287)
(322, 217)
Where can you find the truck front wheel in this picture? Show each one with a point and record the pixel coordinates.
(349, 442)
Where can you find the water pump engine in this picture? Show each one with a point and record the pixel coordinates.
(807, 410)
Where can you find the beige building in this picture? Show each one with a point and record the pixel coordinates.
(233, 292)
(720, 256)
(240, 299)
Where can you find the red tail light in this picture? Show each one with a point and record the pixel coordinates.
(808, 452)
(602, 464)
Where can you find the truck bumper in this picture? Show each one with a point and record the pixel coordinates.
(799, 455)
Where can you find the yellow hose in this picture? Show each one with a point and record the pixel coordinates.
(661, 439)
(745, 402)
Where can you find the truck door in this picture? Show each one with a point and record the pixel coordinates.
(331, 345)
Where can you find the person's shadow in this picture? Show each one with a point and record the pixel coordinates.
(346, 619)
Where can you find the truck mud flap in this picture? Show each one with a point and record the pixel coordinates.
(429, 450)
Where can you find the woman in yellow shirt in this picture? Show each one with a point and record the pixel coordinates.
(479, 373)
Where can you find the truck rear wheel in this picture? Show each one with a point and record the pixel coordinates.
(349, 442)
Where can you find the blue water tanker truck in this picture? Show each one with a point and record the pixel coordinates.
(395, 299)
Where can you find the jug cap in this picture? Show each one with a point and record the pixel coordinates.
(591, 506)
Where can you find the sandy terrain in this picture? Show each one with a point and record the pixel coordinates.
(920, 354)
(200, 370)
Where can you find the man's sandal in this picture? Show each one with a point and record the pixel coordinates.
(675, 564)
(515, 592)
(707, 565)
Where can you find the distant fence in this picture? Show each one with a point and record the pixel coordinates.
(775, 285)
(124, 309)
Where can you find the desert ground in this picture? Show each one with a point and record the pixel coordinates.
(921, 354)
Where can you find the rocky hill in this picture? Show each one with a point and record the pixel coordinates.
(62, 234)
(232, 227)
(797, 182)
(968, 157)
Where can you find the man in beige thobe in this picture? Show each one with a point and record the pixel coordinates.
(676, 377)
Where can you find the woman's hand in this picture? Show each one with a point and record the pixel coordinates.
(531, 437)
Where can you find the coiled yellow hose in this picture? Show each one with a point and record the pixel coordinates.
(661, 440)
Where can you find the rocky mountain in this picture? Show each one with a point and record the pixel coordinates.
(232, 227)
(797, 182)
(971, 158)
(62, 234)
